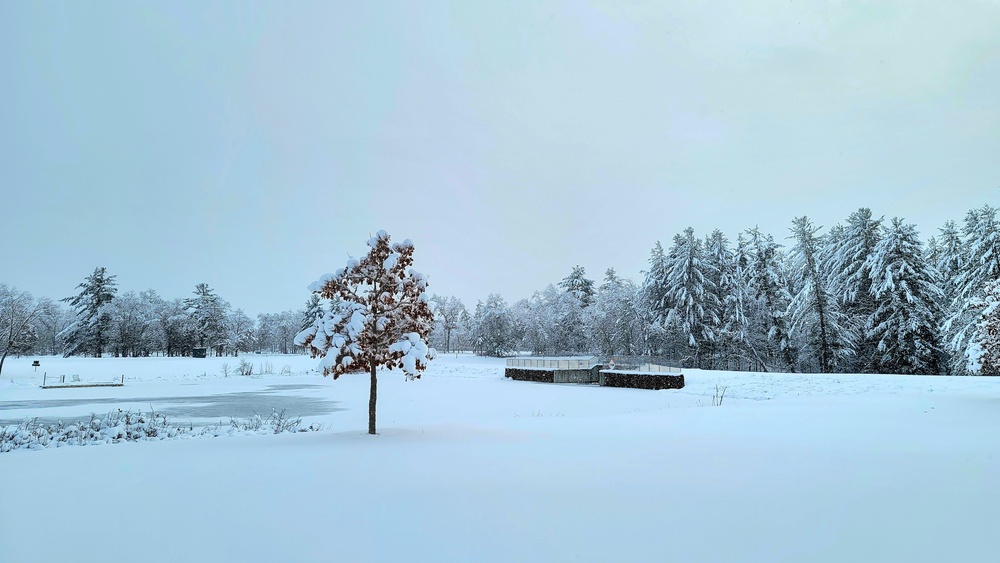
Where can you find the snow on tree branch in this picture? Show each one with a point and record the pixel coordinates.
(384, 318)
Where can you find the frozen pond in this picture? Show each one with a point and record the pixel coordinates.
(297, 400)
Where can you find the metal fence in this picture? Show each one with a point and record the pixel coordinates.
(575, 362)
(644, 363)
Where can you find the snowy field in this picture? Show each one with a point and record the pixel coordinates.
(470, 466)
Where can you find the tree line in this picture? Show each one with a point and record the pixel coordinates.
(866, 296)
(100, 321)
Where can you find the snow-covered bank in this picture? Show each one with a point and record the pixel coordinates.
(470, 466)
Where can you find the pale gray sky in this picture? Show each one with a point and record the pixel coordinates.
(254, 146)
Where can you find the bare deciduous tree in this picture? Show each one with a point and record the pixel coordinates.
(17, 311)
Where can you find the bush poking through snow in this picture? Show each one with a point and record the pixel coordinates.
(276, 423)
(245, 368)
(720, 394)
(126, 426)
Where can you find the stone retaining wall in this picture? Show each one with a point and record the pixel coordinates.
(638, 380)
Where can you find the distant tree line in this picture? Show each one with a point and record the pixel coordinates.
(866, 296)
(100, 321)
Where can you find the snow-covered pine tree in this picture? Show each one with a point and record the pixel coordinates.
(568, 306)
(314, 310)
(982, 233)
(952, 258)
(984, 352)
(655, 304)
(89, 333)
(691, 293)
(815, 317)
(846, 257)
(737, 300)
(385, 320)
(932, 252)
(844, 263)
(907, 313)
(982, 242)
(768, 284)
(720, 271)
(577, 284)
(208, 317)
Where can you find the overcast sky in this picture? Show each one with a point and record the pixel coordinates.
(254, 146)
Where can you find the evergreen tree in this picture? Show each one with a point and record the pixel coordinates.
(933, 254)
(208, 317)
(89, 333)
(313, 311)
(982, 266)
(845, 265)
(579, 286)
(720, 271)
(985, 350)
(737, 300)
(655, 305)
(654, 286)
(982, 233)
(907, 315)
(814, 314)
(951, 261)
(691, 293)
(768, 284)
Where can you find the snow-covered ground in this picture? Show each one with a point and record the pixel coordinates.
(470, 466)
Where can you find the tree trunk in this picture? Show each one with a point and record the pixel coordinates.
(371, 401)
(2, 358)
